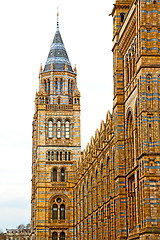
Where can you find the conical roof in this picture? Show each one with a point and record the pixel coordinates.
(57, 55)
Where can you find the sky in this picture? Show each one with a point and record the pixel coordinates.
(27, 30)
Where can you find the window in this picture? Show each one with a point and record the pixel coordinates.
(67, 126)
(52, 155)
(62, 175)
(54, 236)
(59, 129)
(45, 86)
(62, 236)
(48, 155)
(54, 175)
(59, 100)
(69, 156)
(61, 86)
(50, 129)
(55, 211)
(65, 156)
(62, 211)
(122, 16)
(56, 86)
(57, 156)
(60, 156)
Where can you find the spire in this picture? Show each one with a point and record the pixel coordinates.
(57, 54)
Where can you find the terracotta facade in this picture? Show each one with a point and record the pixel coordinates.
(111, 190)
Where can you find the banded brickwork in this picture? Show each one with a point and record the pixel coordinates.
(111, 190)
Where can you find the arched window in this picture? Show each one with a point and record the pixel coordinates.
(96, 183)
(50, 129)
(60, 156)
(62, 211)
(58, 129)
(71, 86)
(55, 212)
(61, 86)
(130, 141)
(67, 128)
(69, 156)
(45, 86)
(62, 236)
(52, 155)
(54, 236)
(48, 155)
(54, 175)
(56, 86)
(62, 175)
(65, 156)
(59, 100)
(57, 156)
(102, 186)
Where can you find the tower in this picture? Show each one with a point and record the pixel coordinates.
(56, 145)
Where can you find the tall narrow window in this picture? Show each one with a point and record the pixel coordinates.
(67, 129)
(56, 86)
(60, 156)
(45, 86)
(65, 156)
(48, 155)
(59, 100)
(62, 175)
(48, 90)
(71, 87)
(59, 129)
(68, 86)
(55, 211)
(62, 236)
(57, 156)
(62, 211)
(54, 236)
(61, 86)
(54, 175)
(52, 155)
(50, 129)
(69, 156)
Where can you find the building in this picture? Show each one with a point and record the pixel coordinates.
(17, 234)
(2, 236)
(56, 146)
(112, 189)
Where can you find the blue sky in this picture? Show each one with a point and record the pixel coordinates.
(27, 29)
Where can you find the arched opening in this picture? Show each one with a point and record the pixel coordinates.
(55, 212)
(58, 129)
(50, 129)
(67, 129)
(54, 236)
(61, 86)
(130, 141)
(56, 86)
(54, 175)
(62, 236)
(62, 211)
(62, 175)
(96, 183)
(102, 186)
